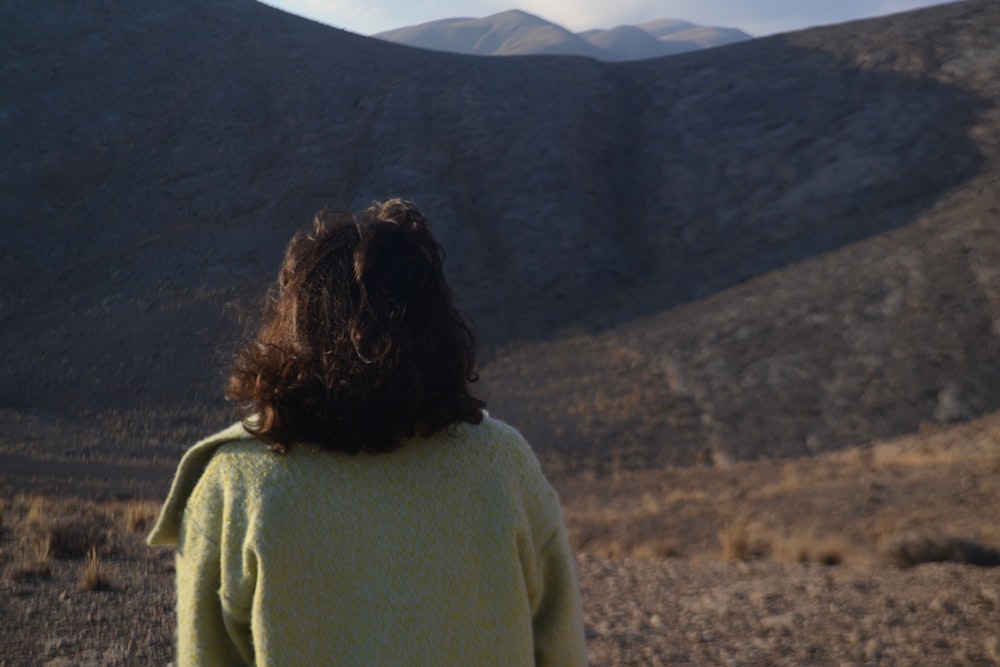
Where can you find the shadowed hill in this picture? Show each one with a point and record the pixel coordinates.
(881, 336)
(160, 156)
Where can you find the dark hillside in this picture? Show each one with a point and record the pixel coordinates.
(894, 331)
(160, 154)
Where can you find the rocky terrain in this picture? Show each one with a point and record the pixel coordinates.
(875, 555)
(744, 302)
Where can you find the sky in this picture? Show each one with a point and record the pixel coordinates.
(757, 17)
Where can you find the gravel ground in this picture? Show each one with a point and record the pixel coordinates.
(681, 613)
(653, 611)
(679, 566)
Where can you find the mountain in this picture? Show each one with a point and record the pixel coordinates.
(516, 32)
(773, 248)
(661, 28)
(508, 33)
(628, 42)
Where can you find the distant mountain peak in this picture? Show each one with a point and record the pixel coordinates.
(663, 27)
(517, 13)
(517, 32)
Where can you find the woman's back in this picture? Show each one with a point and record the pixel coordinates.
(448, 551)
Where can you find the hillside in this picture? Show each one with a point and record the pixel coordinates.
(783, 246)
(516, 32)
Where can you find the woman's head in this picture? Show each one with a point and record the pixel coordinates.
(361, 345)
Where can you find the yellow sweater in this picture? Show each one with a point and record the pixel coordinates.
(448, 551)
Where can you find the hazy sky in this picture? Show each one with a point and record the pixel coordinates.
(757, 17)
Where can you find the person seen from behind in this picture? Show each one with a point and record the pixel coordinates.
(365, 510)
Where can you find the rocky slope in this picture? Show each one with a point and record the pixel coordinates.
(783, 246)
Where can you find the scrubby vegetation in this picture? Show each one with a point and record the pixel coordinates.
(40, 530)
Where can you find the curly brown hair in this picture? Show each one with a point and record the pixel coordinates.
(361, 346)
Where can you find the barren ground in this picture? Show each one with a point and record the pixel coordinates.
(811, 561)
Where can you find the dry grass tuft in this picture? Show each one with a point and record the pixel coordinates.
(44, 530)
(34, 562)
(70, 530)
(811, 548)
(656, 549)
(139, 515)
(92, 575)
(34, 557)
(741, 540)
(38, 547)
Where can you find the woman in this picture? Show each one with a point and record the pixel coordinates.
(365, 511)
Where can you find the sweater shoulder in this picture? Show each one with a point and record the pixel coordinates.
(511, 451)
(190, 471)
(501, 436)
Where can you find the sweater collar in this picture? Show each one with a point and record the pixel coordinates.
(166, 532)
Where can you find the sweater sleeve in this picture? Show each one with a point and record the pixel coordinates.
(208, 633)
(558, 616)
(556, 606)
